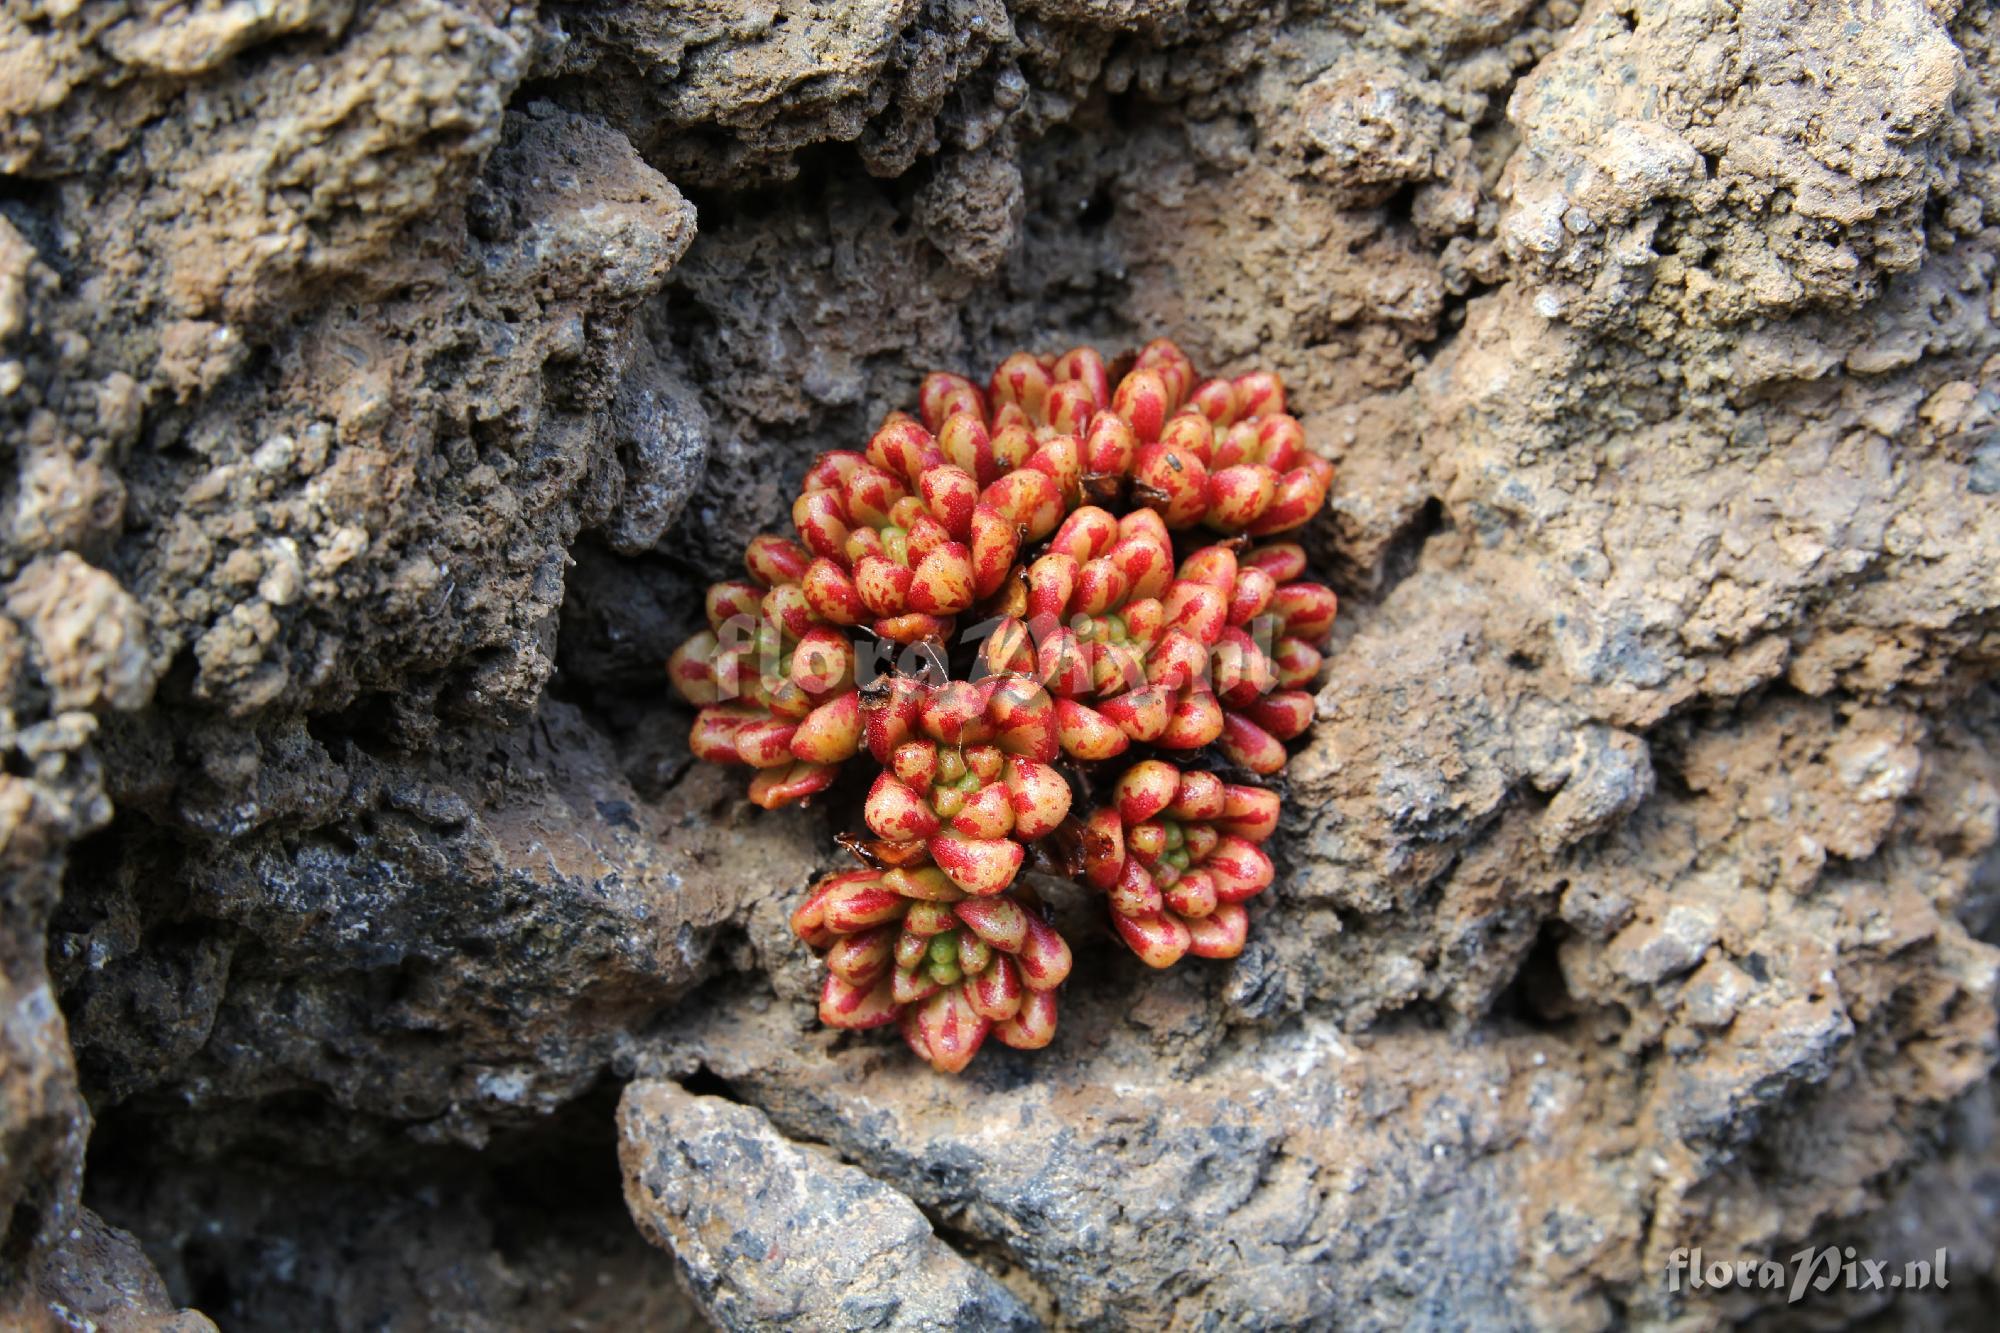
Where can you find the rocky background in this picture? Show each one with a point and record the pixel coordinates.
(381, 381)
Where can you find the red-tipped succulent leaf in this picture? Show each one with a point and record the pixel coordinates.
(774, 684)
(1177, 855)
(906, 945)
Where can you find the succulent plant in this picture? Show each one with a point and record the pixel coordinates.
(967, 775)
(1086, 620)
(775, 686)
(1050, 503)
(1216, 656)
(907, 944)
(1261, 630)
(903, 539)
(1218, 452)
(1049, 415)
(1177, 855)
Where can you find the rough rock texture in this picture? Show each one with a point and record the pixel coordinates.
(380, 382)
(770, 1233)
(527, 1233)
(98, 1277)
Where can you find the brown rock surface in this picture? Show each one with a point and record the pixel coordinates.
(98, 1277)
(380, 383)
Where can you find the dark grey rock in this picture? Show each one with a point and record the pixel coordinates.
(770, 1232)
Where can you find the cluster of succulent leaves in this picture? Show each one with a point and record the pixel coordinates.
(1050, 585)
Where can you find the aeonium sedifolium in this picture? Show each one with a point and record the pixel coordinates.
(1077, 554)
